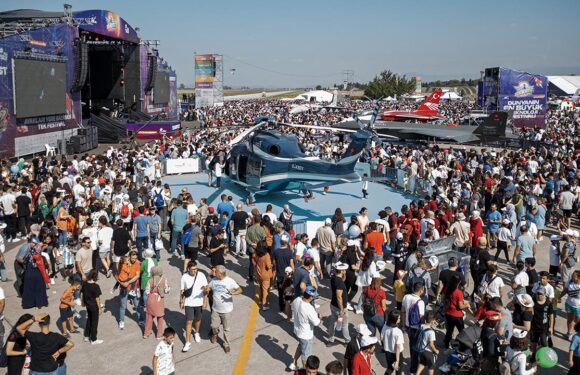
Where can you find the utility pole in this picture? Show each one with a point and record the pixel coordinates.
(348, 76)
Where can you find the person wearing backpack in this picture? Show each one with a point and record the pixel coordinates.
(419, 274)
(516, 361)
(412, 312)
(374, 304)
(424, 344)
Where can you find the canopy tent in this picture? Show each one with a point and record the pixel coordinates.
(451, 95)
(389, 99)
(563, 85)
(318, 96)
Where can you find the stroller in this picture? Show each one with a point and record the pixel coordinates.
(461, 360)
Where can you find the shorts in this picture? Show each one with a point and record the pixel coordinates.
(193, 313)
(305, 346)
(428, 359)
(65, 314)
(572, 310)
(104, 254)
(567, 213)
(191, 252)
(116, 258)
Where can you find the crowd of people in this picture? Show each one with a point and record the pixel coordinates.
(76, 219)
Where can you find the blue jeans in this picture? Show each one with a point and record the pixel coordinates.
(3, 272)
(123, 297)
(77, 293)
(176, 236)
(61, 370)
(374, 322)
(62, 238)
(141, 243)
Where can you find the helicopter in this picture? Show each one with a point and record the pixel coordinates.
(262, 159)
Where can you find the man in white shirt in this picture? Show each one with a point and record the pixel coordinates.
(545, 283)
(224, 288)
(412, 304)
(8, 202)
(305, 319)
(192, 299)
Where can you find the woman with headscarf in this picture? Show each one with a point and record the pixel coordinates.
(35, 278)
(157, 289)
(262, 262)
(476, 225)
(62, 223)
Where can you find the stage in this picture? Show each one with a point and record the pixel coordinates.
(346, 196)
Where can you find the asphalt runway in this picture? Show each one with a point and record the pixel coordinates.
(261, 342)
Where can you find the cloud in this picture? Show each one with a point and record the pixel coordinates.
(295, 60)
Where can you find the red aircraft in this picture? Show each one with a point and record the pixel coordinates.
(427, 111)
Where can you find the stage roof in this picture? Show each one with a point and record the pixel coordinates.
(98, 21)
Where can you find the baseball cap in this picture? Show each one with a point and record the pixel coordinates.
(368, 340)
(519, 334)
(341, 266)
(327, 221)
(363, 329)
(288, 269)
(541, 290)
(311, 291)
(210, 210)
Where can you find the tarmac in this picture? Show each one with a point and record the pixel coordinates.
(261, 341)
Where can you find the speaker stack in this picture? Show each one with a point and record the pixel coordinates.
(81, 65)
(151, 73)
(86, 139)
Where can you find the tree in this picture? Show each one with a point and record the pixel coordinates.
(388, 83)
(181, 86)
(318, 87)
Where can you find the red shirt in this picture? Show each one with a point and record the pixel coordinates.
(452, 307)
(377, 296)
(376, 241)
(361, 364)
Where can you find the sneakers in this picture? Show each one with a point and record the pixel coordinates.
(293, 367)
(213, 339)
(349, 307)
(86, 339)
(196, 337)
(358, 311)
(226, 349)
(96, 342)
(186, 347)
(52, 281)
(121, 325)
(76, 315)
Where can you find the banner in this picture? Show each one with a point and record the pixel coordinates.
(20, 136)
(204, 71)
(525, 96)
(178, 166)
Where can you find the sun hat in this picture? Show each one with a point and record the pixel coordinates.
(525, 300)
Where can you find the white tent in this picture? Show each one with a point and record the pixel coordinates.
(390, 99)
(450, 95)
(318, 95)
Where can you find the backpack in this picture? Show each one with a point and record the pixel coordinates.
(187, 235)
(158, 201)
(505, 368)
(124, 211)
(419, 336)
(414, 314)
(413, 279)
(369, 308)
(484, 285)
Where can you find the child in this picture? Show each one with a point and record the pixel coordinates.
(163, 361)
(426, 343)
(66, 309)
(68, 259)
(400, 290)
(365, 187)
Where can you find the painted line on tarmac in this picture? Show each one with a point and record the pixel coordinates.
(247, 340)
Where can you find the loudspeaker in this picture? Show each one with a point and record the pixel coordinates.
(81, 65)
(151, 73)
(82, 131)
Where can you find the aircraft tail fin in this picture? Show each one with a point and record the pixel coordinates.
(358, 142)
(493, 126)
(431, 104)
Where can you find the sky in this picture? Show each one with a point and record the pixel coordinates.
(300, 43)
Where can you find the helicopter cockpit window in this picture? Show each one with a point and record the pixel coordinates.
(274, 150)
